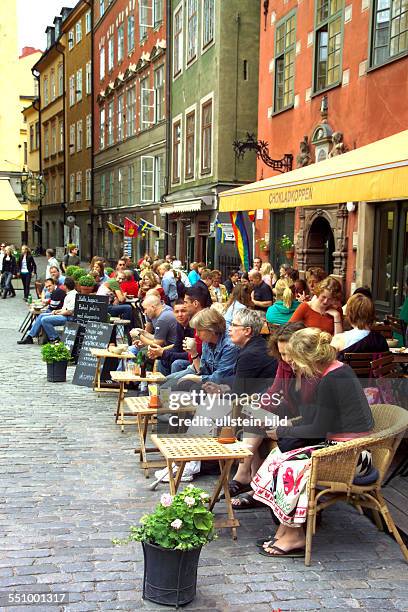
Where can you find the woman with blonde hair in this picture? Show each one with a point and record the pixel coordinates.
(268, 274)
(340, 413)
(285, 305)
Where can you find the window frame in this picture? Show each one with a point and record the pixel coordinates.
(111, 53)
(61, 135)
(102, 119)
(147, 110)
(53, 88)
(88, 78)
(120, 186)
(192, 111)
(120, 122)
(88, 131)
(54, 138)
(45, 91)
(121, 42)
(72, 137)
(71, 39)
(206, 45)
(179, 47)
(203, 104)
(79, 135)
(189, 19)
(78, 183)
(88, 184)
(285, 51)
(110, 136)
(102, 62)
(79, 84)
(130, 118)
(157, 21)
(143, 187)
(72, 187)
(88, 22)
(78, 32)
(176, 179)
(372, 33)
(159, 100)
(60, 79)
(318, 28)
(130, 33)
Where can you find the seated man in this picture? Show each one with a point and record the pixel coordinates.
(56, 317)
(164, 325)
(168, 355)
(57, 277)
(52, 295)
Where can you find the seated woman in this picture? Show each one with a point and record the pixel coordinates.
(314, 276)
(99, 268)
(285, 304)
(323, 310)
(218, 291)
(239, 299)
(341, 412)
(149, 281)
(360, 312)
(268, 274)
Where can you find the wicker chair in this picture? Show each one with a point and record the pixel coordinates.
(333, 472)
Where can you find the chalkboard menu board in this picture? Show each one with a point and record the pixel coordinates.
(97, 335)
(71, 336)
(91, 308)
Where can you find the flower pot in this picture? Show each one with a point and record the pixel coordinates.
(289, 254)
(170, 576)
(85, 290)
(57, 371)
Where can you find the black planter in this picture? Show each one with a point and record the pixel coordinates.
(170, 576)
(57, 371)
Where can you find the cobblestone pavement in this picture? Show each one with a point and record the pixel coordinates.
(70, 483)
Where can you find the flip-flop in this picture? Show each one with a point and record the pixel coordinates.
(260, 543)
(247, 502)
(294, 553)
(236, 488)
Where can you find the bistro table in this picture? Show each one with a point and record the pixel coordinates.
(124, 378)
(400, 356)
(101, 355)
(180, 449)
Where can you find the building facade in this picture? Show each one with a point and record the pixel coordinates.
(333, 77)
(130, 121)
(32, 122)
(77, 29)
(213, 87)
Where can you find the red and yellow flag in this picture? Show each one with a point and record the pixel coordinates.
(131, 228)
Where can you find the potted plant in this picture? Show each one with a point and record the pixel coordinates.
(172, 537)
(56, 356)
(286, 245)
(72, 270)
(86, 284)
(263, 245)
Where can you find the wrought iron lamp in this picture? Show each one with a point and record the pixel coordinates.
(261, 149)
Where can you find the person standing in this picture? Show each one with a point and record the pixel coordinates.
(26, 268)
(51, 262)
(2, 254)
(262, 296)
(8, 270)
(71, 258)
(168, 282)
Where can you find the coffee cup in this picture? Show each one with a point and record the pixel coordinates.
(189, 343)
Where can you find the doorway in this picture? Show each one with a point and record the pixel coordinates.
(390, 267)
(320, 245)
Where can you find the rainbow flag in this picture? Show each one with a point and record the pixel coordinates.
(241, 238)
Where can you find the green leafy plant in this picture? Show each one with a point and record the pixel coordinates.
(285, 243)
(77, 274)
(263, 245)
(55, 352)
(113, 285)
(71, 270)
(108, 271)
(86, 281)
(181, 522)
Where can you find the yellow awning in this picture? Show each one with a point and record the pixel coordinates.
(10, 207)
(376, 172)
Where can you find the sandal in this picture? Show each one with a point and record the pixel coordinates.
(247, 501)
(294, 553)
(235, 488)
(260, 543)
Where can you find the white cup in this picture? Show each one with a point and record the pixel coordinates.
(189, 343)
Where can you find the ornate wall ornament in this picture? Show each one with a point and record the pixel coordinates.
(338, 147)
(303, 158)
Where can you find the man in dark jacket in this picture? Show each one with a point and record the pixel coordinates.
(203, 285)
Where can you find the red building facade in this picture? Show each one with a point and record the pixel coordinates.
(334, 69)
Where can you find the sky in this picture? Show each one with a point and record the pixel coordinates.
(34, 16)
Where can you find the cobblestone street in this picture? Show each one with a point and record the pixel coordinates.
(70, 483)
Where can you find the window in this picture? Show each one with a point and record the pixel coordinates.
(111, 53)
(70, 39)
(131, 33)
(53, 189)
(146, 104)
(176, 151)
(159, 94)
(88, 81)
(36, 89)
(131, 185)
(389, 31)
(157, 12)
(120, 187)
(72, 139)
(208, 22)
(102, 63)
(110, 123)
(45, 91)
(103, 189)
(190, 145)
(62, 188)
(147, 178)
(79, 135)
(285, 45)
(101, 7)
(120, 122)
(71, 90)
(31, 138)
(329, 15)
(88, 184)
(206, 137)
(78, 32)
(46, 143)
(158, 177)
(145, 18)
(88, 22)
(60, 79)
(52, 86)
(121, 43)
(178, 41)
(130, 111)
(53, 139)
(88, 131)
(191, 30)
(72, 187)
(78, 192)
(61, 136)
(102, 128)
(37, 135)
(110, 192)
(79, 85)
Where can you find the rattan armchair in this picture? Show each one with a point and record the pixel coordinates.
(333, 472)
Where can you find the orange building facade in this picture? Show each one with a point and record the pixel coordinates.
(334, 77)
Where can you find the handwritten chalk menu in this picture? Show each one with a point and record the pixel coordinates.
(91, 308)
(97, 335)
(70, 337)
